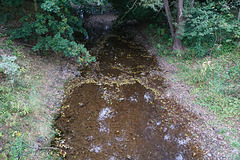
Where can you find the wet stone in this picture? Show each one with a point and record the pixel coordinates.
(117, 113)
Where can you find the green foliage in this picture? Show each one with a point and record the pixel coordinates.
(14, 3)
(18, 148)
(24, 32)
(53, 28)
(9, 67)
(207, 25)
(161, 40)
(210, 24)
(216, 81)
(156, 5)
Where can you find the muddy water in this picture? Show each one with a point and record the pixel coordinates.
(116, 111)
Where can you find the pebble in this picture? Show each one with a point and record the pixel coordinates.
(128, 157)
(219, 137)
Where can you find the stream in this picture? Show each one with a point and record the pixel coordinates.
(115, 110)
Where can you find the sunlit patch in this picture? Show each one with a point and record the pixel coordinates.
(103, 127)
(90, 138)
(133, 99)
(95, 149)
(167, 137)
(105, 113)
(182, 141)
(172, 126)
(179, 157)
(147, 97)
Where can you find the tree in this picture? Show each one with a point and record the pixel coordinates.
(199, 22)
(177, 42)
(175, 31)
(210, 25)
(50, 25)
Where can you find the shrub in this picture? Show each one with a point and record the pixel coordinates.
(210, 25)
(9, 67)
(52, 29)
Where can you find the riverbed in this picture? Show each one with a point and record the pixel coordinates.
(116, 110)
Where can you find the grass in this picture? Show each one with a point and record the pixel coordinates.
(217, 83)
(26, 120)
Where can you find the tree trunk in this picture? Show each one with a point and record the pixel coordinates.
(35, 5)
(192, 3)
(238, 13)
(177, 45)
(169, 17)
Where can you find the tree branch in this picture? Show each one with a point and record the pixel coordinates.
(169, 17)
(52, 148)
(35, 5)
(192, 3)
(128, 11)
(214, 43)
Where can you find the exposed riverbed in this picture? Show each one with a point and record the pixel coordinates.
(116, 109)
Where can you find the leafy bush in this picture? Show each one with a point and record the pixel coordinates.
(52, 29)
(210, 24)
(18, 147)
(9, 67)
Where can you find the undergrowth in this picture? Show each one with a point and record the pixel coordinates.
(217, 82)
(26, 127)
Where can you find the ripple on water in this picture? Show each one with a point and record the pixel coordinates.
(105, 113)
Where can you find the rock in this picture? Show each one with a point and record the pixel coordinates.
(128, 157)
(209, 155)
(219, 137)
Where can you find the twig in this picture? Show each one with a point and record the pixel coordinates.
(53, 148)
(127, 11)
(38, 148)
(35, 6)
(28, 45)
(214, 43)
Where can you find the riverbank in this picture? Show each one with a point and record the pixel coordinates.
(217, 132)
(30, 104)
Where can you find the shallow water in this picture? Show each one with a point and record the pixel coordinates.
(116, 111)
